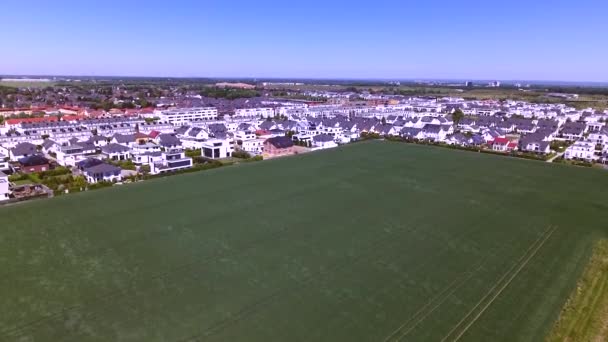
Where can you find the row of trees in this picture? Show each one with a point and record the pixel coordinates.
(228, 93)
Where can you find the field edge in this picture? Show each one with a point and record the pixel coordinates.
(584, 316)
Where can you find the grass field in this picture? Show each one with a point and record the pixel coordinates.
(369, 242)
(26, 84)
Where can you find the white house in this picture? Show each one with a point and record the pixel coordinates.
(600, 137)
(194, 137)
(323, 141)
(147, 158)
(4, 192)
(254, 146)
(116, 152)
(22, 150)
(216, 148)
(581, 149)
(102, 173)
(171, 160)
(69, 155)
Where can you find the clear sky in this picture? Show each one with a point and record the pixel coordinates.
(464, 39)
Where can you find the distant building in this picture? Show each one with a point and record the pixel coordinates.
(494, 84)
(181, 116)
(468, 84)
(254, 113)
(234, 85)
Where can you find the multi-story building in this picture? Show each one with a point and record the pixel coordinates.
(181, 116)
(254, 113)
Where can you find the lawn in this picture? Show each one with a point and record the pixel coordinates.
(374, 241)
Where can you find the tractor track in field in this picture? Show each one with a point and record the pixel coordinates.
(501, 284)
(433, 304)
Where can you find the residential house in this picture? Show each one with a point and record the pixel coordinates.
(412, 133)
(534, 143)
(599, 137)
(503, 145)
(124, 139)
(435, 132)
(168, 141)
(22, 150)
(170, 161)
(254, 146)
(581, 149)
(574, 130)
(147, 158)
(34, 163)
(4, 187)
(116, 152)
(194, 137)
(323, 141)
(279, 146)
(69, 155)
(216, 148)
(102, 173)
(49, 146)
(87, 163)
(459, 139)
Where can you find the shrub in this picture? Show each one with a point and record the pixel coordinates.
(241, 154)
(192, 153)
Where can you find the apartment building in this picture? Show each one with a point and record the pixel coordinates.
(181, 116)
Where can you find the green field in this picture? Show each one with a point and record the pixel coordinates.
(26, 84)
(374, 241)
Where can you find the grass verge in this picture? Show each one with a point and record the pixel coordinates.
(585, 315)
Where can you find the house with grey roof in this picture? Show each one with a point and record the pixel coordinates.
(573, 130)
(49, 146)
(102, 173)
(534, 143)
(123, 139)
(412, 133)
(167, 140)
(22, 150)
(115, 151)
(323, 141)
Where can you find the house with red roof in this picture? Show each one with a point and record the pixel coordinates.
(503, 145)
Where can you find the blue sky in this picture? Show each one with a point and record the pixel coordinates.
(465, 39)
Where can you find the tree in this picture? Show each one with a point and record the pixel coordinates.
(383, 120)
(457, 116)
